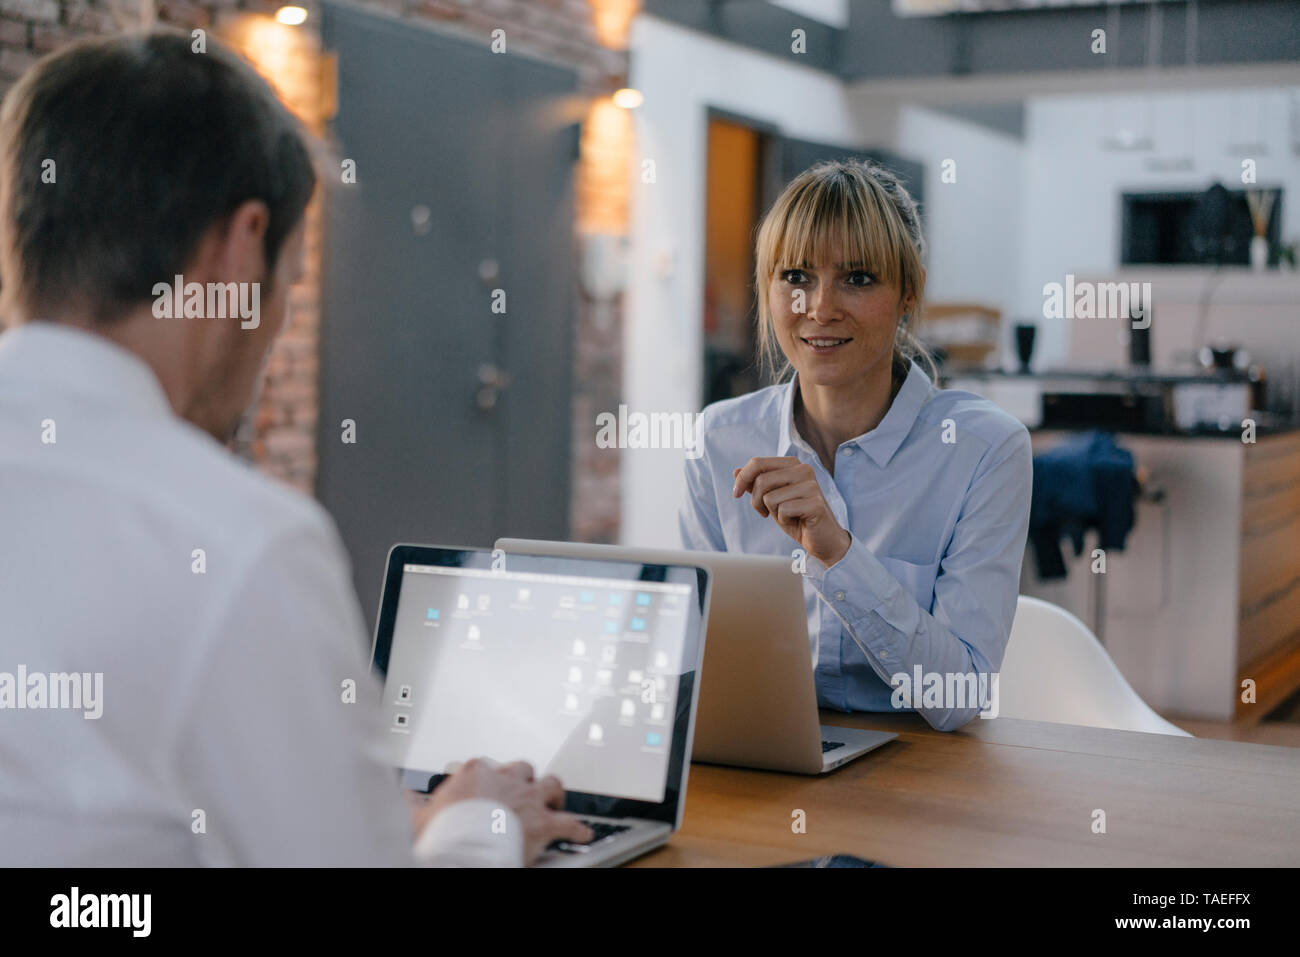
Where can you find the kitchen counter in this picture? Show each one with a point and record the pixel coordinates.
(1201, 610)
(1129, 401)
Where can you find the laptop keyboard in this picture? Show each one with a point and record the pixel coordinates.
(600, 831)
(831, 745)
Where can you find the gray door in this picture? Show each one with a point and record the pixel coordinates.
(464, 186)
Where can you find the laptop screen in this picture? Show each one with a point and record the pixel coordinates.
(578, 667)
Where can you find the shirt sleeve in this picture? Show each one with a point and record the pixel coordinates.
(965, 632)
(698, 522)
(475, 833)
(279, 746)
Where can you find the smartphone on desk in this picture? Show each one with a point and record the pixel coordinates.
(835, 860)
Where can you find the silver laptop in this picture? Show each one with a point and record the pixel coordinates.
(587, 669)
(758, 703)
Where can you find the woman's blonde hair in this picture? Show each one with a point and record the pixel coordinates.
(863, 208)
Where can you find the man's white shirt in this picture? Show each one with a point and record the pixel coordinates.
(217, 605)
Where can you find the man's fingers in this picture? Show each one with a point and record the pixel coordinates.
(518, 769)
(473, 764)
(552, 791)
(567, 827)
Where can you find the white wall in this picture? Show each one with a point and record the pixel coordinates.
(681, 74)
(1072, 185)
(972, 225)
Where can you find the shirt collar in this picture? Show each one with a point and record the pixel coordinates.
(56, 357)
(881, 442)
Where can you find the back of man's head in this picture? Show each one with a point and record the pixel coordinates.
(117, 155)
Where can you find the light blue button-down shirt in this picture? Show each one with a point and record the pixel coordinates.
(936, 499)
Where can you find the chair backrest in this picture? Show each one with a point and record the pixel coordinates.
(1054, 669)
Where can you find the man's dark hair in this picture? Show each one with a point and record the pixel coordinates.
(152, 145)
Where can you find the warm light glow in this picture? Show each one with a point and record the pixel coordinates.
(288, 58)
(291, 16)
(611, 19)
(603, 169)
(628, 98)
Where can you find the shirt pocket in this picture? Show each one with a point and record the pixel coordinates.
(918, 578)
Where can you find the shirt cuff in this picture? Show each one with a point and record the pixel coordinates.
(859, 585)
(473, 833)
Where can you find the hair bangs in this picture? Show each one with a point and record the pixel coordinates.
(837, 222)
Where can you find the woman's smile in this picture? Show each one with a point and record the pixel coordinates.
(824, 345)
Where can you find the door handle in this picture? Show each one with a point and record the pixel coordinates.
(492, 381)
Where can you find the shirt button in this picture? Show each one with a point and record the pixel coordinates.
(839, 596)
(848, 450)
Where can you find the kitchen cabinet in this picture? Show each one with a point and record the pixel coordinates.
(1206, 593)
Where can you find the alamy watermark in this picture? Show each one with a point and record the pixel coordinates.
(1098, 300)
(952, 690)
(128, 911)
(58, 690)
(650, 430)
(213, 300)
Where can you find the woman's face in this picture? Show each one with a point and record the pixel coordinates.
(844, 331)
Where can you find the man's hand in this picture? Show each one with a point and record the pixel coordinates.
(537, 804)
(786, 490)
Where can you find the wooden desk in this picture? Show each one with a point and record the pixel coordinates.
(1004, 793)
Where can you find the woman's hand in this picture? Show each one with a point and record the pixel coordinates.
(785, 489)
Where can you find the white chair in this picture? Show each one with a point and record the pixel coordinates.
(1055, 670)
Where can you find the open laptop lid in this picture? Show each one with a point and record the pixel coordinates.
(587, 669)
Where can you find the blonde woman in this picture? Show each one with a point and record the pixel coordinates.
(908, 503)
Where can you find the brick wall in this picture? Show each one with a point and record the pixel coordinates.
(280, 436)
(282, 439)
(31, 28)
(584, 34)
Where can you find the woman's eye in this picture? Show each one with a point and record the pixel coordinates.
(860, 278)
(793, 276)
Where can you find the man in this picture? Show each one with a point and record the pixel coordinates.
(182, 664)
